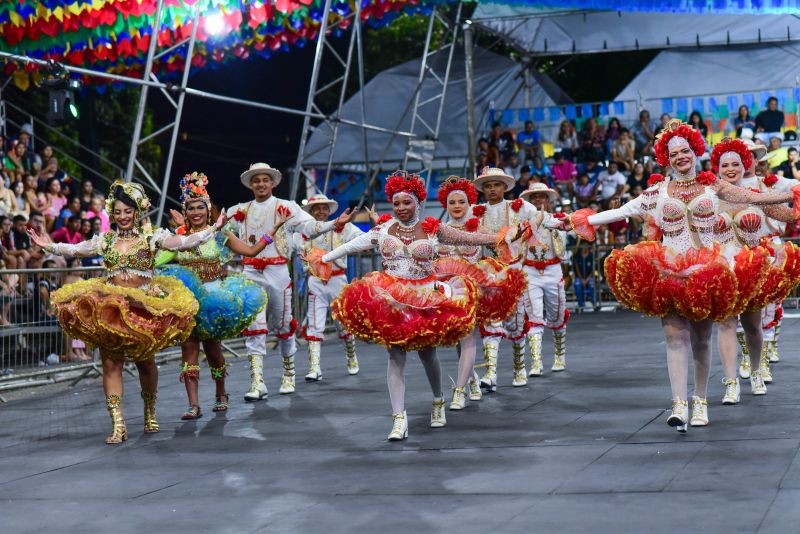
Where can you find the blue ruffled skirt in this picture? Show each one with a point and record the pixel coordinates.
(227, 306)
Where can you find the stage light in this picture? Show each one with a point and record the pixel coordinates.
(214, 24)
(73, 108)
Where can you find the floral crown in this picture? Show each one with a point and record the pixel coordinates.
(405, 182)
(134, 191)
(456, 183)
(677, 128)
(193, 187)
(731, 145)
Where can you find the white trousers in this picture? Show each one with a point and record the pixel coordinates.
(277, 317)
(544, 299)
(320, 296)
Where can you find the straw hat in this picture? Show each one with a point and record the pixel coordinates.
(260, 168)
(493, 174)
(539, 188)
(319, 199)
(759, 151)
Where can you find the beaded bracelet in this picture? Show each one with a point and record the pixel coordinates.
(266, 239)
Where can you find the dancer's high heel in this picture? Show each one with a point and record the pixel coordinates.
(119, 432)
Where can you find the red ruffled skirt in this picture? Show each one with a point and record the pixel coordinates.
(410, 314)
(499, 286)
(699, 284)
(782, 276)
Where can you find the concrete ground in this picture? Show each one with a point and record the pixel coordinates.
(586, 450)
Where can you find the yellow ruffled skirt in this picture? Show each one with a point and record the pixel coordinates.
(127, 323)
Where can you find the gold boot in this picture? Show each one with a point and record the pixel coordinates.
(744, 365)
(119, 432)
(535, 342)
(520, 376)
(150, 422)
(314, 370)
(559, 363)
(766, 373)
(773, 349)
(258, 390)
(287, 380)
(489, 378)
(352, 359)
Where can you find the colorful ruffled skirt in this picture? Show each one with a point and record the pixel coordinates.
(410, 314)
(699, 284)
(126, 323)
(227, 306)
(499, 286)
(782, 276)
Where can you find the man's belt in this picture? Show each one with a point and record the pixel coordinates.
(337, 272)
(261, 263)
(541, 264)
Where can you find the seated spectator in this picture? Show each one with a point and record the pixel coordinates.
(20, 242)
(512, 167)
(612, 183)
(522, 183)
(592, 168)
(665, 118)
(592, 140)
(95, 225)
(71, 233)
(564, 173)
(22, 207)
(791, 167)
(36, 201)
(706, 165)
(540, 167)
(87, 191)
(743, 120)
(638, 177)
(623, 151)
(776, 154)
(583, 267)
(73, 207)
(97, 210)
(12, 258)
(530, 141)
(8, 204)
(15, 164)
(503, 141)
(696, 121)
(644, 132)
(55, 203)
(612, 134)
(48, 169)
(585, 192)
(770, 121)
(567, 140)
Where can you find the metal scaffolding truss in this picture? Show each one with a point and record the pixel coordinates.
(422, 134)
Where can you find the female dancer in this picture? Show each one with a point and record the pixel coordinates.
(682, 276)
(407, 307)
(129, 314)
(228, 303)
(740, 227)
(499, 286)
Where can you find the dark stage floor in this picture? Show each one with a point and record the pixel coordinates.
(586, 450)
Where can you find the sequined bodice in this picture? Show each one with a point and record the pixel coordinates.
(204, 260)
(138, 259)
(683, 225)
(414, 260)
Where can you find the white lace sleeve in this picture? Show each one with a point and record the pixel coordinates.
(451, 236)
(630, 209)
(304, 223)
(167, 240)
(359, 244)
(83, 249)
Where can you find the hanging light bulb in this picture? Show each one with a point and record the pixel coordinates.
(214, 24)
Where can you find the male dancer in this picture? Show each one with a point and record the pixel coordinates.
(269, 269)
(321, 293)
(545, 300)
(496, 214)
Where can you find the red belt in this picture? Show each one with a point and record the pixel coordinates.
(338, 272)
(261, 263)
(541, 264)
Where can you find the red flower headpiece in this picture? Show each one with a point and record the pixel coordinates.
(731, 145)
(406, 182)
(455, 183)
(676, 128)
(654, 179)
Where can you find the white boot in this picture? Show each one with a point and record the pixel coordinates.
(744, 365)
(520, 376)
(679, 416)
(475, 393)
(258, 390)
(459, 400)
(489, 378)
(699, 412)
(350, 352)
(287, 380)
(399, 427)
(560, 363)
(535, 343)
(314, 370)
(438, 419)
(732, 391)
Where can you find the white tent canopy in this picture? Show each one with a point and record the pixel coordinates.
(547, 32)
(389, 98)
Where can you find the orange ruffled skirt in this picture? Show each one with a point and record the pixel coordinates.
(410, 314)
(127, 323)
(499, 286)
(782, 276)
(699, 284)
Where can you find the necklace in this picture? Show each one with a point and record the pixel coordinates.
(686, 190)
(132, 233)
(406, 233)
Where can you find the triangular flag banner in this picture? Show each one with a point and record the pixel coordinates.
(523, 115)
(586, 111)
(733, 102)
(538, 114)
(571, 112)
(666, 105)
(508, 116)
(619, 108)
(698, 104)
(765, 95)
(749, 100)
(604, 108)
(682, 106)
(712, 105)
(554, 113)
